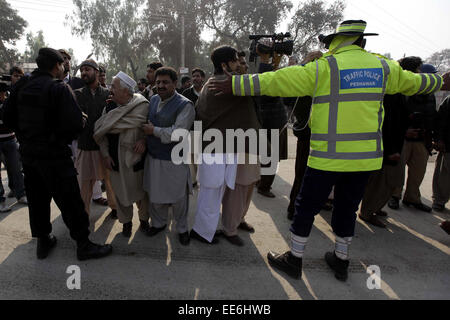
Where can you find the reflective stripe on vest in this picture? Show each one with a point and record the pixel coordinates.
(332, 136)
(243, 87)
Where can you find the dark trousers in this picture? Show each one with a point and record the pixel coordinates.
(55, 179)
(301, 161)
(265, 184)
(317, 184)
(11, 158)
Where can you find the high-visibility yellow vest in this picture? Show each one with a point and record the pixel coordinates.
(347, 114)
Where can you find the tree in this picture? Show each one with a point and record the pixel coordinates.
(234, 20)
(118, 32)
(440, 60)
(164, 25)
(34, 43)
(312, 18)
(12, 27)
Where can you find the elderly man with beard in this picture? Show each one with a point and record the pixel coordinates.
(167, 184)
(122, 142)
(92, 101)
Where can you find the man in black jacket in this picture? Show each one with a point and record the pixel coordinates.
(46, 118)
(10, 157)
(274, 116)
(73, 82)
(198, 80)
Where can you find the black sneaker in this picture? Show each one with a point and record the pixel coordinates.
(393, 203)
(153, 231)
(339, 266)
(90, 250)
(194, 235)
(184, 238)
(45, 245)
(126, 229)
(286, 262)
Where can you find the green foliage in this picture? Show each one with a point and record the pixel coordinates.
(118, 32)
(234, 20)
(34, 43)
(12, 27)
(312, 18)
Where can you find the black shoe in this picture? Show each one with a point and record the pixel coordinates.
(144, 227)
(246, 227)
(381, 213)
(445, 225)
(195, 235)
(235, 240)
(90, 250)
(418, 206)
(45, 245)
(286, 262)
(266, 193)
(11, 194)
(339, 266)
(184, 238)
(373, 220)
(126, 229)
(153, 231)
(438, 207)
(113, 214)
(393, 203)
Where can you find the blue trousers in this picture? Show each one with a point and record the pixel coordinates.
(13, 166)
(316, 187)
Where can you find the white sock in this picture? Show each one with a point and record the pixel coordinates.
(341, 247)
(298, 245)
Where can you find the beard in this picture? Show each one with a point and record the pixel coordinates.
(88, 80)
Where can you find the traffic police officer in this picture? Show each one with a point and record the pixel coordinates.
(347, 85)
(46, 118)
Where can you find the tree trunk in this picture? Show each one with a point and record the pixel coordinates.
(133, 69)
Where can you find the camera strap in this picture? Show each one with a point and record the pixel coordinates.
(290, 118)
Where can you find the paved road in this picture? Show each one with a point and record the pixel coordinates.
(413, 256)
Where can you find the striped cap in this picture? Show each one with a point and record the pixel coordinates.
(349, 28)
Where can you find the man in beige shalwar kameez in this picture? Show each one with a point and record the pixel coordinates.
(121, 139)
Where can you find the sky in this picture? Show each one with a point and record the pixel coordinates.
(405, 27)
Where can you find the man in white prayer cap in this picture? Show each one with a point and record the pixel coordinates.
(122, 145)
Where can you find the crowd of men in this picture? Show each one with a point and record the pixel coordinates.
(79, 136)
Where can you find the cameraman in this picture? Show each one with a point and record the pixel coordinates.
(273, 112)
(421, 110)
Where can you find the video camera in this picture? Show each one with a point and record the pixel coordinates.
(279, 45)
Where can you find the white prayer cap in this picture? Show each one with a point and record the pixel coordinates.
(127, 80)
